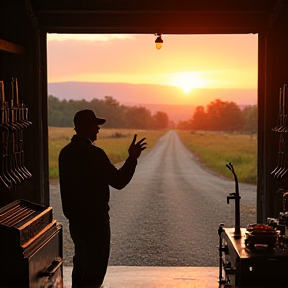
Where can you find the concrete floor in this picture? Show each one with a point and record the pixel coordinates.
(155, 277)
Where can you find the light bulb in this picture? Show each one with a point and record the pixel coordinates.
(158, 46)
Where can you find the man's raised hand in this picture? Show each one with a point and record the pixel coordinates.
(135, 149)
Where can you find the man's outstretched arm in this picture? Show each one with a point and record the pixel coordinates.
(119, 178)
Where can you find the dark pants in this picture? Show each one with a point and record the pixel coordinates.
(92, 249)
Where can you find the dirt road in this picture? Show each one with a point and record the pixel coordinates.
(169, 213)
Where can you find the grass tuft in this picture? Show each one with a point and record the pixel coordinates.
(216, 150)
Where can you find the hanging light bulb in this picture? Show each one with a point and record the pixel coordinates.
(158, 41)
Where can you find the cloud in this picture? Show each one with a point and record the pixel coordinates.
(88, 37)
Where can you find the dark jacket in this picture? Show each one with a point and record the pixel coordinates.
(85, 173)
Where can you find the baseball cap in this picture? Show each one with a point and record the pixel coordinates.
(86, 117)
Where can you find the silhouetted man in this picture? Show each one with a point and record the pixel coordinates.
(85, 173)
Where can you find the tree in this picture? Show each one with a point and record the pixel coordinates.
(113, 112)
(224, 116)
(161, 120)
(199, 120)
(61, 113)
(250, 119)
(56, 116)
(184, 125)
(215, 112)
(138, 118)
(234, 117)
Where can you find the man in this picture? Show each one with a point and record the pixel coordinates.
(85, 173)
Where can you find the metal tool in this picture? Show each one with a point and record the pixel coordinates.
(237, 198)
(13, 121)
(281, 169)
(21, 125)
(284, 126)
(280, 116)
(280, 156)
(4, 132)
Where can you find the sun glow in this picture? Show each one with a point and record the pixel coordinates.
(188, 81)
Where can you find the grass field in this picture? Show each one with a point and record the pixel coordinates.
(216, 150)
(115, 142)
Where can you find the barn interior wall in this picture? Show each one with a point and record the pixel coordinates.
(17, 28)
(273, 74)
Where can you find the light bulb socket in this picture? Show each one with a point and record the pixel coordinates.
(159, 41)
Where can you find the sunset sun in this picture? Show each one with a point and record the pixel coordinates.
(188, 81)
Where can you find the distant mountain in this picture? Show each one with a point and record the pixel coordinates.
(169, 99)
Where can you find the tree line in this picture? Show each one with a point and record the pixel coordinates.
(223, 116)
(61, 113)
(218, 116)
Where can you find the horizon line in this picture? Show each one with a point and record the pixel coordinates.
(153, 84)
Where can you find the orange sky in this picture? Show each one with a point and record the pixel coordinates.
(186, 61)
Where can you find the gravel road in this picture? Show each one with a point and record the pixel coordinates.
(169, 213)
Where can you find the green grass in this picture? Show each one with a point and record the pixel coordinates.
(115, 142)
(216, 150)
